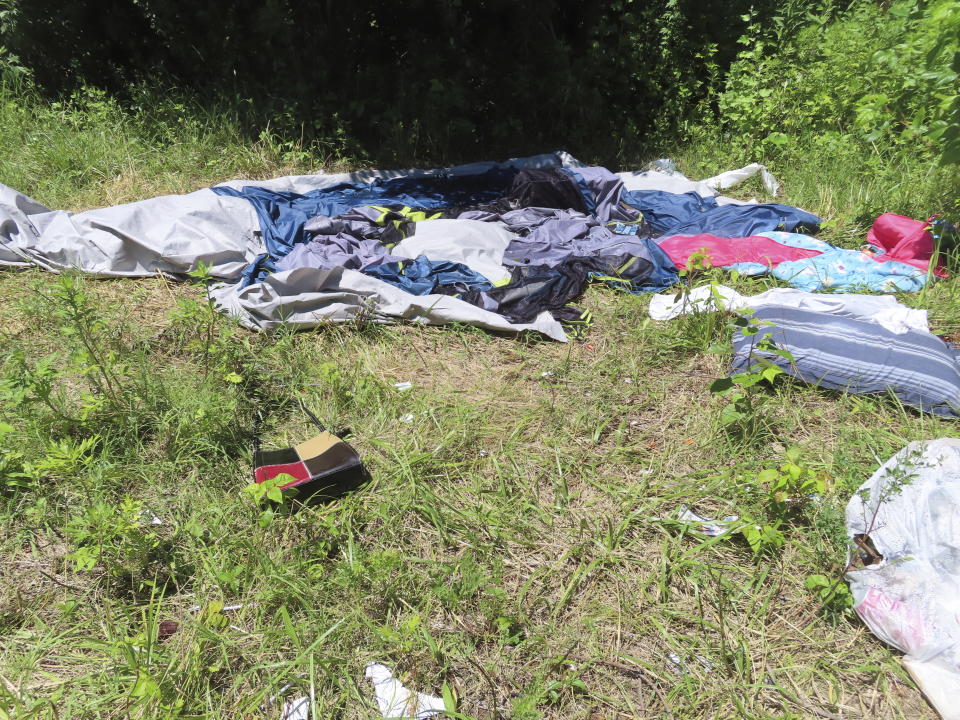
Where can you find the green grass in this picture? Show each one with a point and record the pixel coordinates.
(514, 545)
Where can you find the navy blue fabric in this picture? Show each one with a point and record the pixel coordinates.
(639, 278)
(423, 277)
(261, 266)
(691, 214)
(588, 197)
(664, 210)
(283, 214)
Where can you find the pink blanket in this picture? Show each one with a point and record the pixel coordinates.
(721, 251)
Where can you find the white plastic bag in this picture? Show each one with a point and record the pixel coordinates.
(910, 510)
(396, 701)
(730, 178)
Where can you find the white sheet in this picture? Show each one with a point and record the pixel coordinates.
(881, 309)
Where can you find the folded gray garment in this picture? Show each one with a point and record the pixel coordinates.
(857, 356)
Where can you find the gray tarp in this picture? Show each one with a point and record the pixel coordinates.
(169, 235)
(310, 296)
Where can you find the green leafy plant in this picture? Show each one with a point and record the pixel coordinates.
(94, 352)
(270, 491)
(706, 320)
(27, 383)
(763, 536)
(567, 685)
(786, 491)
(201, 276)
(743, 390)
(791, 486)
(119, 540)
(62, 460)
(833, 596)
(11, 461)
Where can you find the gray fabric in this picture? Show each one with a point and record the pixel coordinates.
(570, 235)
(859, 356)
(524, 220)
(481, 215)
(338, 242)
(353, 223)
(171, 234)
(478, 245)
(308, 297)
(606, 188)
(340, 250)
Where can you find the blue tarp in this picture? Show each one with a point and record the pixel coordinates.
(689, 213)
(283, 214)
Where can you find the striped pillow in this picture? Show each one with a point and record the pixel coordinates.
(858, 356)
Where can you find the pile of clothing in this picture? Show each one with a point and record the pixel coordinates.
(506, 246)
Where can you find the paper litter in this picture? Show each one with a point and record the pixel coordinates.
(396, 701)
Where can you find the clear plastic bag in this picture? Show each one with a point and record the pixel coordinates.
(909, 596)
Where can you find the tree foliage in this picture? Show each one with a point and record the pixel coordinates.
(438, 78)
(861, 74)
(444, 80)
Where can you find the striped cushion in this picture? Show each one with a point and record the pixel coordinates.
(858, 356)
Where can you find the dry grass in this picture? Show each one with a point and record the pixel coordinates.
(512, 545)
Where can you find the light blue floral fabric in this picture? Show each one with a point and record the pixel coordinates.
(836, 269)
(850, 271)
(798, 240)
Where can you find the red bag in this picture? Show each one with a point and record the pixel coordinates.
(905, 240)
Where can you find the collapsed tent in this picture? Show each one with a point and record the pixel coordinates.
(505, 246)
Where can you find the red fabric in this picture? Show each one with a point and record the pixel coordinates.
(905, 240)
(297, 470)
(727, 251)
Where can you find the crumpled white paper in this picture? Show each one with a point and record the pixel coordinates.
(296, 709)
(707, 526)
(396, 701)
